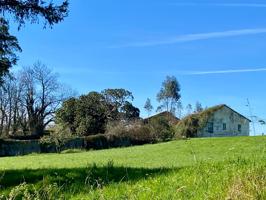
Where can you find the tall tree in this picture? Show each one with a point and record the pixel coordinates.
(169, 94)
(198, 107)
(179, 109)
(189, 109)
(116, 99)
(22, 11)
(8, 48)
(129, 112)
(42, 94)
(91, 115)
(148, 106)
(66, 114)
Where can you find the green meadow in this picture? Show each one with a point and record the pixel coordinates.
(204, 168)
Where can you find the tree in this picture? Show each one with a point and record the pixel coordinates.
(91, 115)
(129, 112)
(22, 11)
(29, 99)
(179, 109)
(42, 94)
(31, 10)
(198, 107)
(169, 94)
(148, 107)
(189, 109)
(66, 115)
(12, 111)
(116, 99)
(8, 47)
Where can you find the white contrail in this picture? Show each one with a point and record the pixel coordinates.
(194, 37)
(254, 5)
(230, 71)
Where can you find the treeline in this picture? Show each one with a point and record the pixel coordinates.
(33, 103)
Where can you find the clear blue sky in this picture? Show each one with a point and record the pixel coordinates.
(216, 49)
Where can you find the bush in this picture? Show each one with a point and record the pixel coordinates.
(161, 128)
(59, 135)
(135, 131)
(96, 142)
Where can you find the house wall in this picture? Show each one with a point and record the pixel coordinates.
(232, 120)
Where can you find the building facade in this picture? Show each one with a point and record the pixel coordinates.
(225, 122)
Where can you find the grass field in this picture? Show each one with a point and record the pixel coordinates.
(209, 168)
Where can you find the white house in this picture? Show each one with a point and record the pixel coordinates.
(224, 121)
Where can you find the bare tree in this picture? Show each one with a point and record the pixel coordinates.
(41, 96)
(10, 109)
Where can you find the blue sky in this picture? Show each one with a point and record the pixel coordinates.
(216, 49)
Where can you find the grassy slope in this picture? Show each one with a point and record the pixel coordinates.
(192, 169)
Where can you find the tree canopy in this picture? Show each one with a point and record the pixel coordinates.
(31, 10)
(8, 48)
(90, 113)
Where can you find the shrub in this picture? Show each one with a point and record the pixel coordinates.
(161, 128)
(59, 135)
(96, 142)
(135, 131)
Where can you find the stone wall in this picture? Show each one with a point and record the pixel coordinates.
(18, 147)
(11, 147)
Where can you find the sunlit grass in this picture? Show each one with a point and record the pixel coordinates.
(209, 168)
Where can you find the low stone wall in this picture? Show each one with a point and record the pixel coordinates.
(11, 147)
(22, 147)
(19, 147)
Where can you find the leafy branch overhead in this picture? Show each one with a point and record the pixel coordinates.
(22, 11)
(31, 10)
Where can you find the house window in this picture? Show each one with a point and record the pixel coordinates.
(224, 126)
(239, 128)
(210, 127)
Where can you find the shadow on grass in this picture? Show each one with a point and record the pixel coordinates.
(76, 179)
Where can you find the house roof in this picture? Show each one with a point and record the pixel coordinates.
(172, 117)
(218, 107)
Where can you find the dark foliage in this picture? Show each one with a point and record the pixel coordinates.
(67, 114)
(129, 112)
(89, 114)
(31, 10)
(8, 47)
